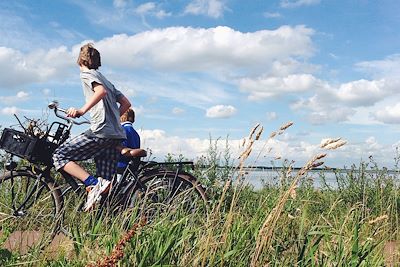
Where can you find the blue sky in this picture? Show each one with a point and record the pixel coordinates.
(215, 68)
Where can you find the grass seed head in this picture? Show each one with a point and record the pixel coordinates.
(259, 133)
(328, 141)
(378, 219)
(336, 145)
(285, 126)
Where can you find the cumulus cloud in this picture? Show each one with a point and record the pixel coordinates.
(10, 110)
(338, 103)
(34, 66)
(322, 108)
(221, 111)
(363, 92)
(390, 114)
(266, 87)
(206, 50)
(161, 143)
(388, 67)
(19, 97)
(211, 8)
(298, 3)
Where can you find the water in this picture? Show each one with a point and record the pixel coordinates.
(259, 177)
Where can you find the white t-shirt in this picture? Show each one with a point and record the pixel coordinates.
(104, 116)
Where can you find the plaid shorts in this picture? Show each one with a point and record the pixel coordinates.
(83, 147)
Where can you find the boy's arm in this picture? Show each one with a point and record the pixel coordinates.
(124, 104)
(99, 93)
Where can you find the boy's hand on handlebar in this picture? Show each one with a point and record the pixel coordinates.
(74, 113)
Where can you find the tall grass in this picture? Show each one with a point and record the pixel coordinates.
(285, 224)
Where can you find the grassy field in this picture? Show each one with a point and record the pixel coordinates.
(276, 226)
(286, 223)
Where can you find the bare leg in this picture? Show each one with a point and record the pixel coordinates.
(75, 170)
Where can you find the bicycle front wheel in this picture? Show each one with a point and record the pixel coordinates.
(168, 191)
(28, 204)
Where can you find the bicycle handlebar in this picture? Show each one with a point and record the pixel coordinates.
(54, 105)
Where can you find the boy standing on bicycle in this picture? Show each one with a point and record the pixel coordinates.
(105, 133)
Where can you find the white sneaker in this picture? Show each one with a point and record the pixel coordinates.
(95, 191)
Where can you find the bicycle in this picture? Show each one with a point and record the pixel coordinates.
(31, 199)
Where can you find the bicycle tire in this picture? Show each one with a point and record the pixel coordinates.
(163, 190)
(29, 203)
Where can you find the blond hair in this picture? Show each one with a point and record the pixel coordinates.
(129, 115)
(89, 57)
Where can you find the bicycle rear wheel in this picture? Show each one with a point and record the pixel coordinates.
(163, 191)
(28, 204)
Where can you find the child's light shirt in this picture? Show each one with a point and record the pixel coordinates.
(104, 116)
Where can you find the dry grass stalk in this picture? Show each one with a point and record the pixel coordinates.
(253, 136)
(272, 135)
(118, 252)
(332, 143)
(246, 153)
(378, 219)
(259, 133)
(253, 131)
(285, 126)
(336, 145)
(209, 244)
(267, 229)
(328, 141)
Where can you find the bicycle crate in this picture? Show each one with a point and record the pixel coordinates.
(33, 149)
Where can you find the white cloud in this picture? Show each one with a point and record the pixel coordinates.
(363, 92)
(10, 110)
(372, 144)
(322, 108)
(207, 50)
(161, 143)
(298, 3)
(22, 95)
(390, 114)
(152, 9)
(145, 8)
(221, 111)
(118, 19)
(19, 97)
(211, 8)
(266, 86)
(388, 67)
(34, 67)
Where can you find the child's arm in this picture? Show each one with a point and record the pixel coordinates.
(99, 93)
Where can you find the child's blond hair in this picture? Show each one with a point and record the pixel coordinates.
(129, 115)
(89, 57)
